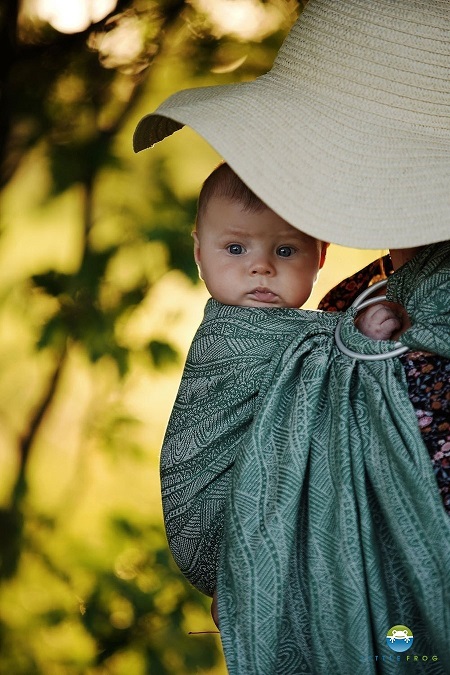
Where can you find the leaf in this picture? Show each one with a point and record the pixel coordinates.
(162, 353)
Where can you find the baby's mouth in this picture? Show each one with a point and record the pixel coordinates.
(263, 294)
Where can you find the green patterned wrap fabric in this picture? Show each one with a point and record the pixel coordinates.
(295, 478)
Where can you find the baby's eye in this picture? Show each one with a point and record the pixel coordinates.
(235, 249)
(285, 251)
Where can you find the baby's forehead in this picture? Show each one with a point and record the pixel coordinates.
(226, 220)
(262, 227)
(257, 218)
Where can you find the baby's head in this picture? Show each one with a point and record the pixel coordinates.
(247, 255)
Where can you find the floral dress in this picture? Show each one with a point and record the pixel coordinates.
(427, 376)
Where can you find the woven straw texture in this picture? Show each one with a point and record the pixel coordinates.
(348, 136)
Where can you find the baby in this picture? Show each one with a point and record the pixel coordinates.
(249, 256)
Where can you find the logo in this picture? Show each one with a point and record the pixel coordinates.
(399, 638)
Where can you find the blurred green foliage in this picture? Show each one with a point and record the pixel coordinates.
(90, 236)
(81, 612)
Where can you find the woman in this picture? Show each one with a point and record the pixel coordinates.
(336, 543)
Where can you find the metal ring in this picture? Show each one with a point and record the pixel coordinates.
(362, 296)
(361, 303)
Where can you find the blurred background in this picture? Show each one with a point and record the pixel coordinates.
(99, 299)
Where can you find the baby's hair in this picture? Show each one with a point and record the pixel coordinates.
(223, 182)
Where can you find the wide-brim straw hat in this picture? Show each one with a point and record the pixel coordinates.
(347, 137)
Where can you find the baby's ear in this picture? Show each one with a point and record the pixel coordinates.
(197, 252)
(196, 247)
(323, 253)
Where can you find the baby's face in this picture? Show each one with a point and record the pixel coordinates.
(255, 259)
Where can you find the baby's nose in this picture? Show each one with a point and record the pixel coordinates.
(262, 266)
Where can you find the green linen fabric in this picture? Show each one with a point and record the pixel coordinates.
(295, 478)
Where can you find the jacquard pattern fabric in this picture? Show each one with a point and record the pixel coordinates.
(231, 363)
(299, 477)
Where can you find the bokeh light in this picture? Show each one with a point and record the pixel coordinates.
(71, 16)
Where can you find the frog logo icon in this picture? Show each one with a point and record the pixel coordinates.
(399, 638)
